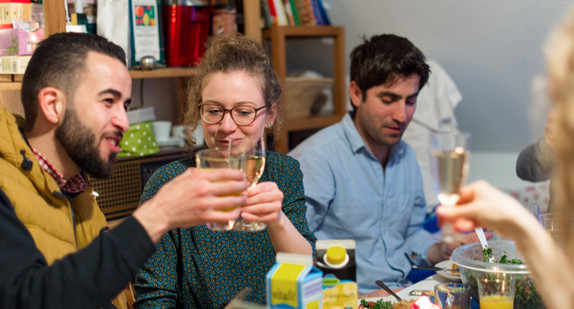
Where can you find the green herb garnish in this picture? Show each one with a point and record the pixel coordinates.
(505, 260)
(486, 254)
(379, 304)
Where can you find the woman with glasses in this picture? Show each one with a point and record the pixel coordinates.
(235, 94)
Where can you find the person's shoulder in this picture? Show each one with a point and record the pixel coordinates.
(322, 141)
(282, 169)
(177, 166)
(281, 160)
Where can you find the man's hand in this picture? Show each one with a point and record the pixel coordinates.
(442, 250)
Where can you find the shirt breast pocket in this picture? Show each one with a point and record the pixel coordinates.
(398, 212)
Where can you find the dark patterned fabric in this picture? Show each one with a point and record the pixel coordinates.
(199, 268)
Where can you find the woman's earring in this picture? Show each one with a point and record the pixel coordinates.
(269, 125)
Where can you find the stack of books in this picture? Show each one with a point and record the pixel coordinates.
(294, 13)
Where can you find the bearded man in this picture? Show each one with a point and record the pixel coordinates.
(55, 248)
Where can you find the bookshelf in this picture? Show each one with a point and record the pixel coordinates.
(54, 14)
(278, 36)
(55, 22)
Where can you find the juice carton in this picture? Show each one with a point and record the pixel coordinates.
(293, 282)
(336, 258)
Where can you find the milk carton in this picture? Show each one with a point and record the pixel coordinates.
(294, 282)
(336, 258)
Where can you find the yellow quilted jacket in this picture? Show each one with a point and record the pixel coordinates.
(59, 226)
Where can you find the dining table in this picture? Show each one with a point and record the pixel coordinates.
(416, 290)
(420, 288)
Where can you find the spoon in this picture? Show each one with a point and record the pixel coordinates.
(480, 233)
(386, 288)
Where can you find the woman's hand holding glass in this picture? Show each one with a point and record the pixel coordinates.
(263, 204)
(481, 204)
(449, 166)
(255, 159)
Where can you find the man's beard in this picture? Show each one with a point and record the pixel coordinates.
(80, 144)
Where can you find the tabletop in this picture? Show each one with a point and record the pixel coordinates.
(424, 286)
(414, 291)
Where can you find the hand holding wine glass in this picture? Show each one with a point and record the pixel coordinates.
(255, 155)
(450, 165)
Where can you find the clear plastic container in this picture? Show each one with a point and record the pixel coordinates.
(469, 259)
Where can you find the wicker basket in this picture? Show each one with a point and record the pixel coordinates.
(301, 94)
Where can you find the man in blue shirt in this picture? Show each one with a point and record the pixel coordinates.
(361, 181)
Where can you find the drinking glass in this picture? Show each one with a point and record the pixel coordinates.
(556, 225)
(496, 291)
(254, 167)
(219, 158)
(449, 166)
(452, 295)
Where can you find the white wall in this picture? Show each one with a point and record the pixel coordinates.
(492, 49)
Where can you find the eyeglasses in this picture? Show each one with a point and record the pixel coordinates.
(242, 115)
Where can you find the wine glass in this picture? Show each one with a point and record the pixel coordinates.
(254, 167)
(449, 166)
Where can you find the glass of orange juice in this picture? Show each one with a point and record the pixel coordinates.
(219, 158)
(496, 291)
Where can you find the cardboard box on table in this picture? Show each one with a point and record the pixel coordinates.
(293, 282)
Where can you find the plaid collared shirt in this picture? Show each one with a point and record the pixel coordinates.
(73, 185)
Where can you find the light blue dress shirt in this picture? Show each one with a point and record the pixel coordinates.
(349, 196)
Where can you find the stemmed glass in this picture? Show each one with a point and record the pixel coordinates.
(449, 166)
(254, 167)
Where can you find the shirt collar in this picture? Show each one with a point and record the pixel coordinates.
(76, 184)
(352, 134)
(358, 144)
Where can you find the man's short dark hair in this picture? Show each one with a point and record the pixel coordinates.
(58, 62)
(383, 59)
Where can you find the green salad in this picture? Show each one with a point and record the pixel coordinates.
(379, 304)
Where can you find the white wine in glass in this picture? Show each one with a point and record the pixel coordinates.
(254, 166)
(449, 165)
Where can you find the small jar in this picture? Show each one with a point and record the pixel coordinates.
(224, 19)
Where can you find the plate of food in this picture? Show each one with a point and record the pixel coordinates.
(384, 303)
(448, 270)
(423, 302)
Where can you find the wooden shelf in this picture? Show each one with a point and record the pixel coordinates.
(315, 122)
(55, 21)
(162, 72)
(10, 86)
(278, 35)
(14, 82)
(302, 31)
